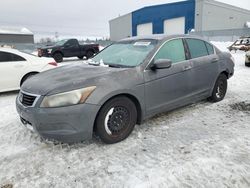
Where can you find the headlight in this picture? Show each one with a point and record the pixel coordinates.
(68, 98)
(49, 51)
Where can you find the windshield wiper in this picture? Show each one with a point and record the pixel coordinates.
(94, 63)
(118, 65)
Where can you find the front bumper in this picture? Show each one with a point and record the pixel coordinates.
(44, 53)
(70, 124)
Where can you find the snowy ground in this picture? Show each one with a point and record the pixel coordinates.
(202, 145)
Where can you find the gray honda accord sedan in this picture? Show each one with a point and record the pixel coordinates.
(126, 83)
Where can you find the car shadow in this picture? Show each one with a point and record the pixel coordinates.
(7, 93)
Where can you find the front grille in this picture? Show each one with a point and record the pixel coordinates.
(26, 99)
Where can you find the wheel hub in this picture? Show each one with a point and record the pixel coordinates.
(219, 92)
(116, 120)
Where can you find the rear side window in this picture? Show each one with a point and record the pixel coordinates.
(210, 48)
(72, 42)
(172, 50)
(6, 57)
(197, 48)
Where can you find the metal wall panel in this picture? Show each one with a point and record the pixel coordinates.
(121, 27)
(213, 15)
(15, 38)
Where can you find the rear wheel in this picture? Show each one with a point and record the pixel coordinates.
(58, 57)
(116, 120)
(220, 89)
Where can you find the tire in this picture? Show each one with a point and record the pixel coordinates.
(80, 57)
(247, 64)
(116, 120)
(27, 77)
(58, 57)
(220, 89)
(89, 54)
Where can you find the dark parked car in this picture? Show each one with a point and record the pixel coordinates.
(124, 84)
(68, 48)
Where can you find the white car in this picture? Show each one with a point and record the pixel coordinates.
(16, 67)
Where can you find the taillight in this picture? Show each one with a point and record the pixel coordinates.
(97, 46)
(53, 63)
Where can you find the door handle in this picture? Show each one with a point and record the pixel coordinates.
(214, 60)
(186, 68)
(19, 66)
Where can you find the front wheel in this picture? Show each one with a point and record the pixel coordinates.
(58, 57)
(116, 120)
(220, 89)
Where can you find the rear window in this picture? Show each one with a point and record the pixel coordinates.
(197, 48)
(210, 48)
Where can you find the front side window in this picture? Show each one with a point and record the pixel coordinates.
(172, 50)
(197, 48)
(7, 57)
(71, 43)
(127, 53)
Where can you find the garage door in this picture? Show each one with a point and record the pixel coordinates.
(174, 26)
(144, 29)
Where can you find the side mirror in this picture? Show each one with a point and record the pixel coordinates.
(162, 64)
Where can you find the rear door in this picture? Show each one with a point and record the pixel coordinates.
(205, 65)
(12, 68)
(168, 88)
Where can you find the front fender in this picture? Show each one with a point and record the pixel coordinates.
(100, 97)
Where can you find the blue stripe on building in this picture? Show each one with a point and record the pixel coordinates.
(158, 14)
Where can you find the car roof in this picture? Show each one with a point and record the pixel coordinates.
(161, 37)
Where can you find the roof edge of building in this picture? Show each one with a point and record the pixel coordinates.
(165, 4)
(213, 2)
(124, 15)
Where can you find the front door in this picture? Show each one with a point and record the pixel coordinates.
(168, 88)
(71, 48)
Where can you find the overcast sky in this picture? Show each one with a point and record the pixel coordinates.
(77, 17)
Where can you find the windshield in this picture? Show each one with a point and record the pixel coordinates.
(61, 42)
(129, 53)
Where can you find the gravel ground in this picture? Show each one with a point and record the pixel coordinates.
(201, 145)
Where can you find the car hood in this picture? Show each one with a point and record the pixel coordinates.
(49, 47)
(71, 77)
